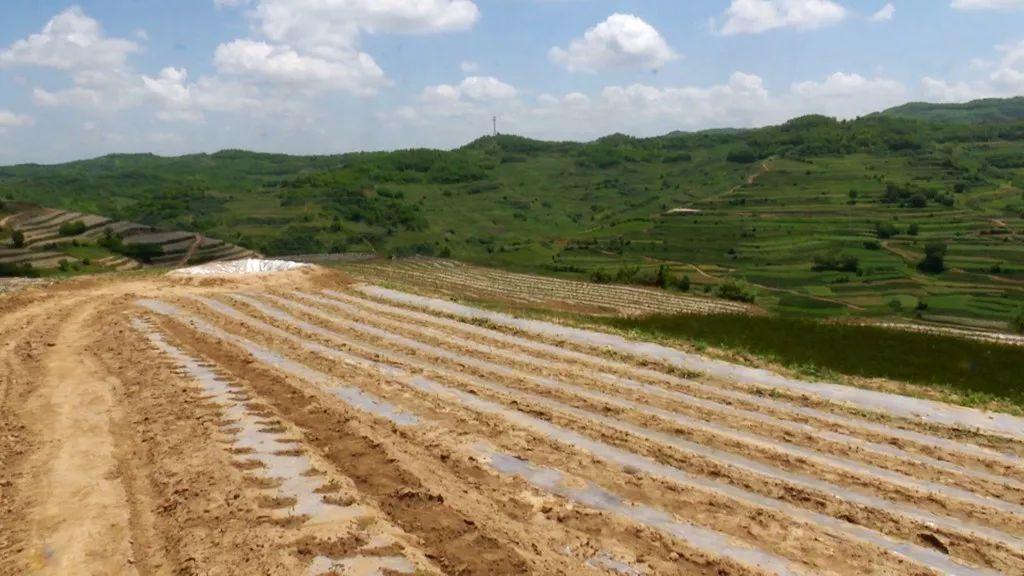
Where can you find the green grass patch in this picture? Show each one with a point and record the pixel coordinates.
(977, 370)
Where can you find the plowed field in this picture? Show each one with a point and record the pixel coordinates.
(298, 423)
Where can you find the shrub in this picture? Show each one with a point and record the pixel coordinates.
(1018, 322)
(24, 270)
(873, 245)
(836, 262)
(18, 239)
(737, 291)
(142, 252)
(627, 274)
(600, 276)
(934, 258)
(913, 229)
(684, 284)
(662, 279)
(885, 230)
(72, 228)
(741, 156)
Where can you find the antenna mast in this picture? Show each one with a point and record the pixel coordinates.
(494, 120)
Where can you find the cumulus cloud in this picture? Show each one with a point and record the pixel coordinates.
(756, 16)
(312, 45)
(9, 119)
(743, 100)
(324, 27)
(302, 50)
(621, 41)
(847, 95)
(473, 88)
(884, 14)
(71, 40)
(690, 106)
(354, 72)
(1005, 5)
(1005, 78)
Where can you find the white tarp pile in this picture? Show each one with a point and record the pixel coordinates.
(239, 267)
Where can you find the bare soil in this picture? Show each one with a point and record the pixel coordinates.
(291, 424)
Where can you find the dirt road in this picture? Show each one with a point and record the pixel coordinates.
(297, 424)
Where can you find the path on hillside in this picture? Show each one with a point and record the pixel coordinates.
(191, 250)
(750, 179)
(783, 290)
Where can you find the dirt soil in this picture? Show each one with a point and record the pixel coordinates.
(292, 424)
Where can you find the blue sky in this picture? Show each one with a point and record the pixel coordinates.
(84, 79)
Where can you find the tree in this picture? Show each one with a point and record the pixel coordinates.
(662, 279)
(835, 261)
(684, 284)
(732, 290)
(1018, 322)
(913, 229)
(72, 228)
(446, 252)
(934, 258)
(18, 239)
(885, 230)
(600, 276)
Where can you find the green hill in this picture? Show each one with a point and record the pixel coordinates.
(816, 216)
(976, 111)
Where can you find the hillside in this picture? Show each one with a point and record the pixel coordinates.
(812, 217)
(44, 241)
(976, 111)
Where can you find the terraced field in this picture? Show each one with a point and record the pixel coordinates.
(46, 244)
(300, 423)
(455, 278)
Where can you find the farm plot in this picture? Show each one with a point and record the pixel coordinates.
(52, 236)
(460, 279)
(297, 423)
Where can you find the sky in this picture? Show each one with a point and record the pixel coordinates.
(329, 76)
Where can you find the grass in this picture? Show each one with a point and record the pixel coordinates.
(976, 371)
(556, 208)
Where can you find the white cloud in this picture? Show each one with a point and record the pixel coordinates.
(884, 14)
(69, 41)
(354, 72)
(842, 85)
(323, 27)
(475, 88)
(756, 16)
(621, 41)
(644, 110)
(170, 86)
(847, 95)
(469, 66)
(9, 119)
(1005, 78)
(1005, 5)
(312, 45)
